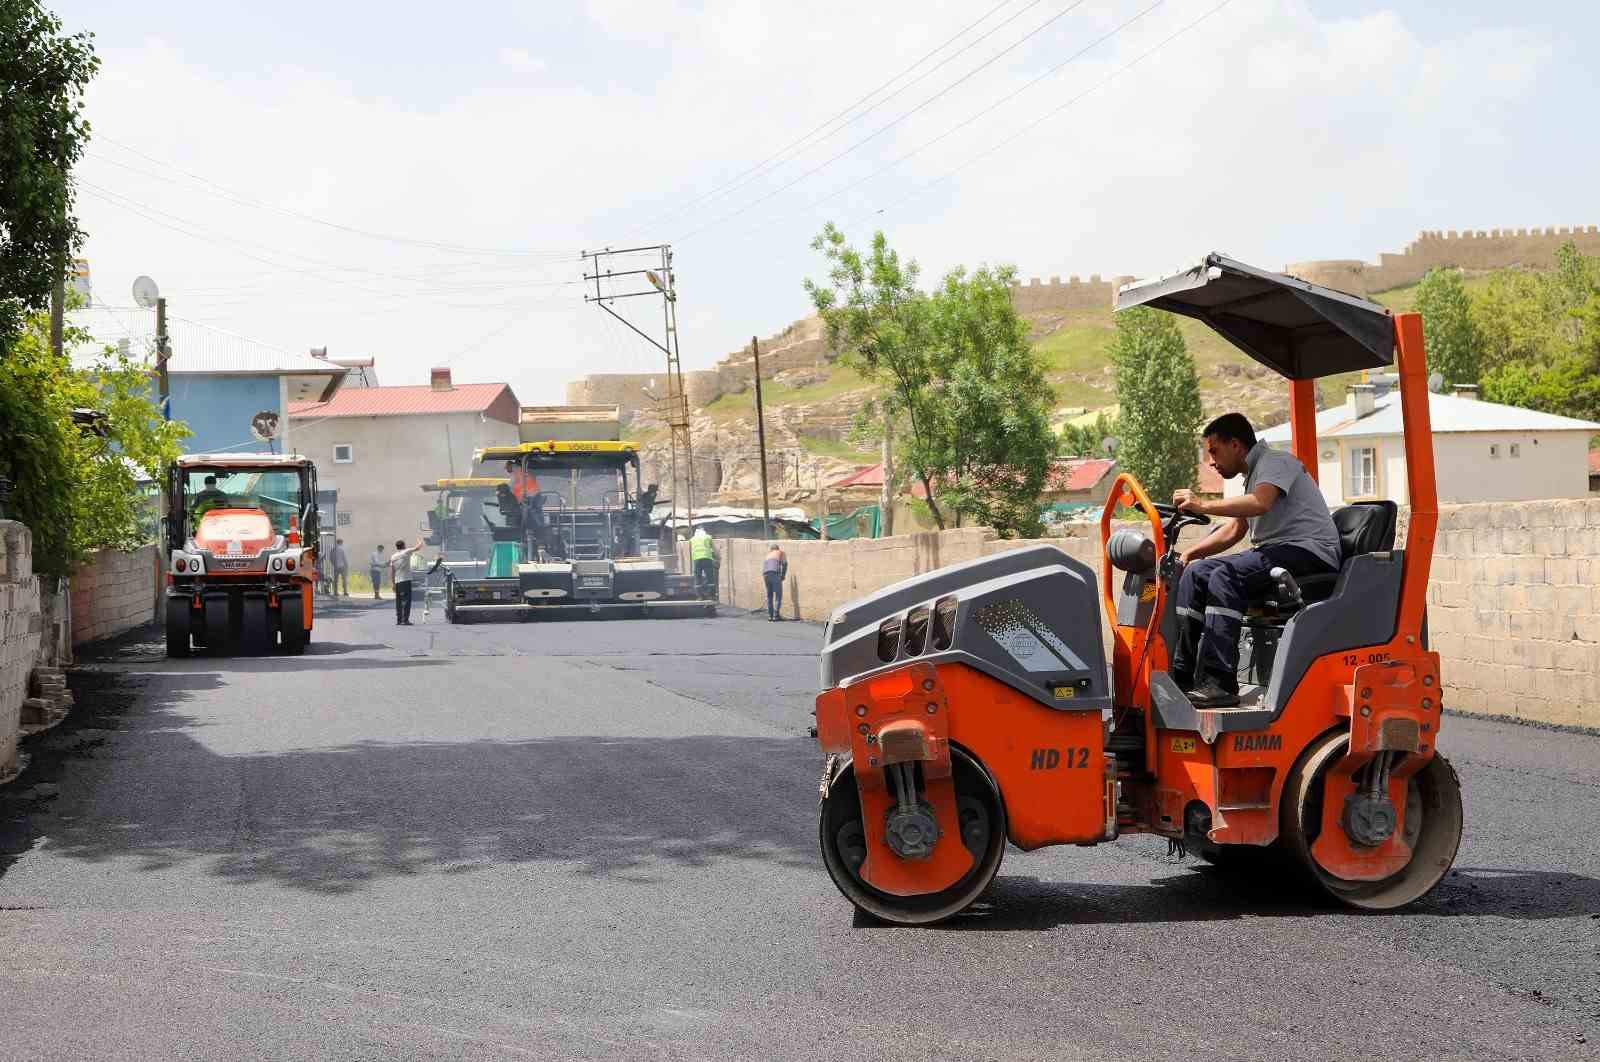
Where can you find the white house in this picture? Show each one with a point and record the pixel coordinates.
(1482, 451)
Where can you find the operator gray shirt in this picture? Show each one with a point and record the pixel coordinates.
(1300, 515)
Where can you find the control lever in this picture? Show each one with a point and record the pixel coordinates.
(1289, 599)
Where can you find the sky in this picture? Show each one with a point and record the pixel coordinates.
(416, 182)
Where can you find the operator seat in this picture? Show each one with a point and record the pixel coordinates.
(1364, 527)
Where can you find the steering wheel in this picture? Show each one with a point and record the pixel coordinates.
(1174, 516)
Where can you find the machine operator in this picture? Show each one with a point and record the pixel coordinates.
(1289, 526)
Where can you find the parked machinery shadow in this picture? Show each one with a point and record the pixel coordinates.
(334, 820)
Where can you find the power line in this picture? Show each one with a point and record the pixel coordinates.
(329, 272)
(894, 122)
(1028, 128)
(737, 180)
(964, 123)
(246, 200)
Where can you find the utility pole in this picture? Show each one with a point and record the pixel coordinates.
(58, 306)
(677, 400)
(761, 442)
(163, 352)
(886, 495)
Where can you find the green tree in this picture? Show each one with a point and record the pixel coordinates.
(43, 74)
(1159, 393)
(958, 378)
(995, 402)
(1450, 332)
(1510, 318)
(78, 490)
(1088, 440)
(1542, 333)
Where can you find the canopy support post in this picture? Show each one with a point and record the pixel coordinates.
(1303, 423)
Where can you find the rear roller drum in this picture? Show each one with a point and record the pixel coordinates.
(178, 626)
(218, 628)
(291, 624)
(255, 635)
(1431, 827)
(983, 830)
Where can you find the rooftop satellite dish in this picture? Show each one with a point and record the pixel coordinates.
(1109, 445)
(264, 425)
(145, 292)
(1436, 383)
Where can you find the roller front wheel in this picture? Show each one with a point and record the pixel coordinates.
(981, 812)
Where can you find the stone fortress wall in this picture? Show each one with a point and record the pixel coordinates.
(804, 345)
(1474, 251)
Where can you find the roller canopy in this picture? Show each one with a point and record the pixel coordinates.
(1298, 330)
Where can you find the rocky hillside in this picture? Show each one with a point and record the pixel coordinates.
(810, 410)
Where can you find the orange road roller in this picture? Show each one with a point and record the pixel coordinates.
(973, 705)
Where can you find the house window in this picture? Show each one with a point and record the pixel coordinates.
(343, 453)
(1494, 449)
(1516, 449)
(1361, 479)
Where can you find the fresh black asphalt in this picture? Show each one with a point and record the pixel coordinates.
(598, 841)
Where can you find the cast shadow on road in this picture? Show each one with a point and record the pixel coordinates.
(335, 820)
(1205, 894)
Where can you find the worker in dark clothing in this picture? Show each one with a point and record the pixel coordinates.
(774, 570)
(1290, 527)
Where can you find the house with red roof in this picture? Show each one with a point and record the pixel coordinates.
(377, 446)
(1082, 480)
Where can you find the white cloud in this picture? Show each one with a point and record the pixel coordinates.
(519, 59)
(1266, 131)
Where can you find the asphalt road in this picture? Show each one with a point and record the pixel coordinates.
(598, 840)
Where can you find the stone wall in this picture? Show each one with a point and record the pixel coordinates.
(1513, 602)
(1476, 251)
(115, 592)
(21, 627)
(1075, 294)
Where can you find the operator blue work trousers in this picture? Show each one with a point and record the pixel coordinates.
(1212, 596)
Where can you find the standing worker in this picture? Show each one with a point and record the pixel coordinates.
(341, 567)
(774, 570)
(375, 565)
(703, 552)
(400, 577)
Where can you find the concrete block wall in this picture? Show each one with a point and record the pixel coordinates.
(1513, 601)
(115, 592)
(21, 628)
(1514, 609)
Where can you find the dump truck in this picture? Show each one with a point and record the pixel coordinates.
(242, 534)
(574, 536)
(971, 706)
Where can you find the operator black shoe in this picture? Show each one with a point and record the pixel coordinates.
(1212, 695)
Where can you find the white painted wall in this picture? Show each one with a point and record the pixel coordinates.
(381, 489)
(1548, 465)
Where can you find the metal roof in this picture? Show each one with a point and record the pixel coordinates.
(1299, 330)
(411, 400)
(1447, 414)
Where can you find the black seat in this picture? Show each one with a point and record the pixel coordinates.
(1364, 527)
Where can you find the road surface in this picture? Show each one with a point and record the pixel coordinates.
(598, 841)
